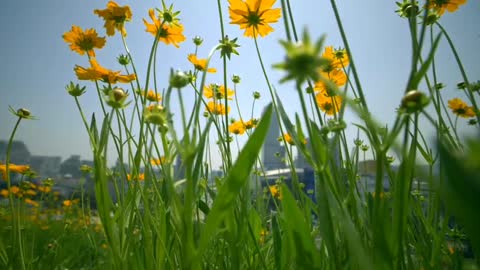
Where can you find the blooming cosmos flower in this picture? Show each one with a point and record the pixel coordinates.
(237, 127)
(115, 17)
(330, 104)
(97, 72)
(217, 108)
(336, 76)
(275, 191)
(165, 32)
(460, 108)
(200, 64)
(441, 5)
(217, 92)
(337, 58)
(83, 42)
(254, 16)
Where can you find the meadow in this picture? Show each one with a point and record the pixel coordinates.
(164, 207)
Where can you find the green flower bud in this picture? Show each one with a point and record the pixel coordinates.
(179, 79)
(414, 101)
(75, 90)
(197, 40)
(256, 95)
(123, 59)
(236, 79)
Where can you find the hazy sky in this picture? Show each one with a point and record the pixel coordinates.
(37, 63)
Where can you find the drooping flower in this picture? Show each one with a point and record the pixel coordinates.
(96, 72)
(254, 16)
(330, 104)
(167, 33)
(441, 5)
(217, 108)
(237, 127)
(200, 64)
(460, 108)
(115, 17)
(216, 91)
(83, 42)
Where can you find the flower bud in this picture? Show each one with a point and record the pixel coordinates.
(123, 60)
(236, 79)
(256, 95)
(414, 101)
(179, 79)
(197, 40)
(75, 90)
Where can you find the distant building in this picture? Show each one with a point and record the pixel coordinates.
(18, 155)
(45, 166)
(273, 151)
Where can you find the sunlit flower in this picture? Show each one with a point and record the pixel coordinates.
(139, 177)
(254, 16)
(152, 96)
(96, 72)
(460, 108)
(4, 193)
(237, 127)
(441, 5)
(200, 64)
(115, 17)
(327, 103)
(83, 42)
(337, 58)
(336, 76)
(15, 190)
(217, 92)
(275, 191)
(217, 108)
(167, 33)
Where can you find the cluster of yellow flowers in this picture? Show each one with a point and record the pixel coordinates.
(239, 127)
(217, 93)
(332, 76)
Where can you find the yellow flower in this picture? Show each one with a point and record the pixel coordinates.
(336, 76)
(115, 17)
(140, 177)
(217, 92)
(159, 161)
(217, 108)
(4, 193)
(31, 192)
(337, 58)
(237, 127)
(152, 96)
(31, 202)
(21, 169)
(44, 189)
(67, 203)
(275, 191)
(254, 16)
(97, 72)
(250, 123)
(460, 108)
(288, 139)
(167, 33)
(441, 5)
(83, 42)
(14, 189)
(200, 64)
(329, 104)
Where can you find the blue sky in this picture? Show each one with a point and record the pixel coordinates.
(37, 64)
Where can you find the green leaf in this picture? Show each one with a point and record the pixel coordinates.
(462, 188)
(305, 252)
(235, 180)
(424, 68)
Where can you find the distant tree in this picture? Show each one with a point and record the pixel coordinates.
(71, 166)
